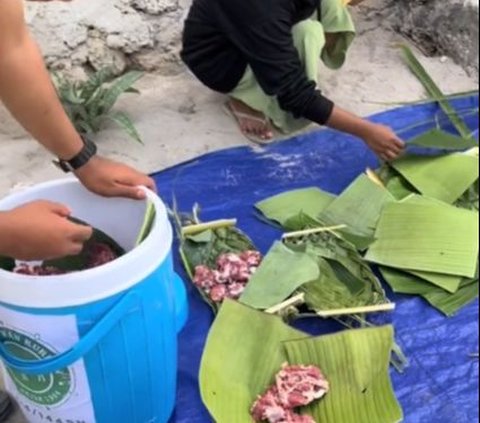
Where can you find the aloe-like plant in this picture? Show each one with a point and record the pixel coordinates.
(89, 104)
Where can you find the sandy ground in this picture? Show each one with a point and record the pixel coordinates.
(179, 119)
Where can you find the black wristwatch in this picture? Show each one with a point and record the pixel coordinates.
(81, 159)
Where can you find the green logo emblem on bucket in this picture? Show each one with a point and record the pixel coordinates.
(47, 390)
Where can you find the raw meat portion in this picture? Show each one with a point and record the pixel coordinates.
(230, 277)
(295, 386)
(218, 293)
(268, 408)
(98, 254)
(300, 385)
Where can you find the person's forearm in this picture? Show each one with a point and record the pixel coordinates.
(27, 91)
(5, 241)
(344, 121)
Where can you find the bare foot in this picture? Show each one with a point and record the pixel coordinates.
(251, 122)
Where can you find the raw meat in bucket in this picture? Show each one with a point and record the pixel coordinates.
(295, 386)
(97, 254)
(230, 277)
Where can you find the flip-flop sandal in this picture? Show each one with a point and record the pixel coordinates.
(6, 406)
(238, 116)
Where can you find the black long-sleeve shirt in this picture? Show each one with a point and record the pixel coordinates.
(222, 37)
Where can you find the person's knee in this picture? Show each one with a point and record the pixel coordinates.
(308, 31)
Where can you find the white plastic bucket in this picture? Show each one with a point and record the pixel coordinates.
(97, 346)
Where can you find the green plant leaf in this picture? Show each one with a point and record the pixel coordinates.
(432, 237)
(242, 354)
(436, 138)
(119, 87)
(434, 91)
(447, 303)
(400, 188)
(449, 283)
(358, 207)
(281, 273)
(148, 222)
(122, 120)
(336, 249)
(445, 178)
(356, 362)
(283, 207)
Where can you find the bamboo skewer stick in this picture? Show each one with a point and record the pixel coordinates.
(357, 310)
(313, 231)
(295, 300)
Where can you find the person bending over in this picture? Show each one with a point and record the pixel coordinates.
(265, 56)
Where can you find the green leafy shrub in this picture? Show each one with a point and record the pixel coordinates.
(89, 104)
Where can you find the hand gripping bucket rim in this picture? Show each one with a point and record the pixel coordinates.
(79, 288)
(82, 330)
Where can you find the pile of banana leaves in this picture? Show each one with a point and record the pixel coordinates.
(416, 218)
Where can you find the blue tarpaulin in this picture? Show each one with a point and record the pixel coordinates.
(441, 383)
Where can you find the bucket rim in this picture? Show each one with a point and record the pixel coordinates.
(74, 289)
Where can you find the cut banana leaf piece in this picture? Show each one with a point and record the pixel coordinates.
(256, 345)
(281, 273)
(449, 283)
(432, 238)
(242, 355)
(282, 207)
(344, 265)
(445, 178)
(400, 188)
(335, 290)
(448, 304)
(356, 362)
(358, 207)
(438, 139)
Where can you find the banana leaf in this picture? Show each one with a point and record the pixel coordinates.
(400, 188)
(438, 139)
(449, 283)
(336, 289)
(469, 200)
(356, 362)
(203, 247)
(434, 91)
(79, 262)
(445, 178)
(242, 354)
(448, 304)
(358, 207)
(433, 238)
(307, 201)
(281, 273)
(246, 348)
(300, 222)
(148, 222)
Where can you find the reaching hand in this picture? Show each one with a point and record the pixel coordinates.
(384, 142)
(41, 231)
(111, 179)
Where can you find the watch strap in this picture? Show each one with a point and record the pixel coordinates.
(81, 159)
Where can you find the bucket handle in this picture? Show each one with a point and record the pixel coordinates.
(81, 348)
